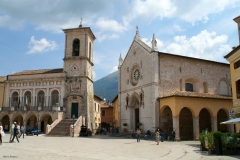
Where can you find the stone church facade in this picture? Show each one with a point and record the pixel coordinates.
(172, 92)
(42, 98)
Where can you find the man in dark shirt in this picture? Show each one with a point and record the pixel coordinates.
(15, 133)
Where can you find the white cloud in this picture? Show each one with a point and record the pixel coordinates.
(205, 45)
(110, 25)
(115, 68)
(187, 10)
(42, 45)
(178, 28)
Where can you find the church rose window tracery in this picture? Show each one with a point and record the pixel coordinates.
(135, 75)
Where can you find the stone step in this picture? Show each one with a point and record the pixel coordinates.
(62, 128)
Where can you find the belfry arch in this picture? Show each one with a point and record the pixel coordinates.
(134, 105)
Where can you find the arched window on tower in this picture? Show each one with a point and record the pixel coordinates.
(76, 47)
(90, 51)
(55, 98)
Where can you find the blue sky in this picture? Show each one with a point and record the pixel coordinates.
(31, 34)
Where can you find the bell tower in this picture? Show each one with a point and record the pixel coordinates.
(78, 67)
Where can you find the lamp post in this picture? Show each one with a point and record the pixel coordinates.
(73, 116)
(37, 124)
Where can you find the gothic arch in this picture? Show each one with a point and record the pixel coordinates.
(134, 100)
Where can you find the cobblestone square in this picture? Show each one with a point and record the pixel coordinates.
(101, 147)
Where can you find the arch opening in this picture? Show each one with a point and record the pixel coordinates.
(186, 124)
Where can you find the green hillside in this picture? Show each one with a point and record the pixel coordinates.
(107, 87)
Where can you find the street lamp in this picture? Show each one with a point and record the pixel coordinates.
(37, 124)
(73, 116)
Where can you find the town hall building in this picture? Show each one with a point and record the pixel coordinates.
(45, 98)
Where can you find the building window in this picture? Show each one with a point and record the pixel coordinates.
(98, 107)
(95, 107)
(55, 98)
(238, 89)
(40, 99)
(76, 46)
(237, 64)
(27, 99)
(15, 99)
(189, 87)
(103, 113)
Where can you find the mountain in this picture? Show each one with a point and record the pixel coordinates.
(107, 87)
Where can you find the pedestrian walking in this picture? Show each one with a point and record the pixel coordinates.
(157, 136)
(1, 133)
(15, 133)
(138, 135)
(11, 131)
(23, 130)
(174, 135)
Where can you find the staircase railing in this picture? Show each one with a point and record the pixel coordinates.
(77, 126)
(50, 127)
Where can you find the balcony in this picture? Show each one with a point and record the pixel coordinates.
(46, 108)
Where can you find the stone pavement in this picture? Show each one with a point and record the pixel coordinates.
(101, 147)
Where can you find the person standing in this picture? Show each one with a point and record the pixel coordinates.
(174, 135)
(1, 130)
(157, 137)
(23, 130)
(11, 131)
(162, 135)
(149, 134)
(15, 133)
(138, 135)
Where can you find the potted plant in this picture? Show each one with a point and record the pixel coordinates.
(210, 143)
(218, 142)
(202, 141)
(125, 127)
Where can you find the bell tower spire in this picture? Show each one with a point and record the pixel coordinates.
(137, 36)
(154, 43)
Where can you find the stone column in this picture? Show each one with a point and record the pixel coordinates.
(176, 127)
(214, 124)
(196, 128)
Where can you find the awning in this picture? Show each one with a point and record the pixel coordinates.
(231, 121)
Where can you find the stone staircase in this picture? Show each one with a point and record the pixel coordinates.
(62, 128)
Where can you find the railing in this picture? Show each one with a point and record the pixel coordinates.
(34, 108)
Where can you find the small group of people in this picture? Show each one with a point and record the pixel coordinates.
(160, 135)
(15, 132)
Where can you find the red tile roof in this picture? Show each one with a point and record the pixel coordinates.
(43, 71)
(195, 95)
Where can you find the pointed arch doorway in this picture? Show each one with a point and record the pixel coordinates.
(135, 114)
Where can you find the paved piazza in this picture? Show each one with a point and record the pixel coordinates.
(100, 147)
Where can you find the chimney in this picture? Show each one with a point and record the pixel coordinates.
(237, 20)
